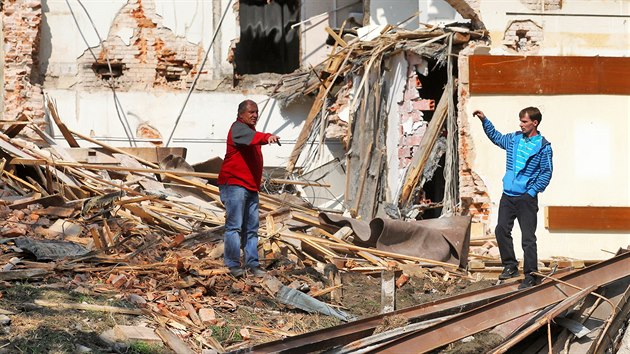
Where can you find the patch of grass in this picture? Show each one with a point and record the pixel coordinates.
(45, 340)
(226, 334)
(23, 293)
(145, 348)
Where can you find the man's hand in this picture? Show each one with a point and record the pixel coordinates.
(274, 139)
(479, 114)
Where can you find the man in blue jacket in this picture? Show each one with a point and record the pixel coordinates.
(527, 173)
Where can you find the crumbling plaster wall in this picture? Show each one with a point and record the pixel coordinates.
(143, 35)
(154, 43)
(567, 28)
(20, 26)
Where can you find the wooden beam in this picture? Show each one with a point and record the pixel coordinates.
(587, 218)
(549, 75)
(16, 128)
(39, 162)
(336, 37)
(62, 127)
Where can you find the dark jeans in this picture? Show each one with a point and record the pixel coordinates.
(525, 209)
(241, 225)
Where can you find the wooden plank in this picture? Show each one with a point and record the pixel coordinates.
(173, 341)
(336, 37)
(88, 307)
(587, 218)
(333, 67)
(52, 108)
(549, 75)
(51, 200)
(15, 129)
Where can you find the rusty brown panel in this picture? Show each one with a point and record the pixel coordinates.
(544, 75)
(587, 218)
(508, 308)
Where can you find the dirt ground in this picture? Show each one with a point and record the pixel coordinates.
(35, 329)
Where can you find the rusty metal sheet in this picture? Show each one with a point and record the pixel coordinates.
(444, 239)
(548, 316)
(505, 309)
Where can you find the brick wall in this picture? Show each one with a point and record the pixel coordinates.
(412, 125)
(154, 58)
(20, 26)
(523, 36)
(473, 192)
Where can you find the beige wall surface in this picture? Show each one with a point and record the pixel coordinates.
(593, 27)
(591, 146)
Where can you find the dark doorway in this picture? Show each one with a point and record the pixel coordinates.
(268, 43)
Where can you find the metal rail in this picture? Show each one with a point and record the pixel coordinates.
(349, 332)
(508, 308)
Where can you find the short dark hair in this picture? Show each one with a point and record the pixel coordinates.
(532, 112)
(243, 105)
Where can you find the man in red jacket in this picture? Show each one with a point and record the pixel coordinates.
(239, 182)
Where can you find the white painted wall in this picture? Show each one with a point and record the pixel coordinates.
(62, 42)
(202, 129)
(591, 145)
(432, 12)
(589, 133)
(588, 28)
(383, 12)
(396, 77)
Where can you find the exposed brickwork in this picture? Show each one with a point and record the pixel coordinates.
(542, 5)
(473, 192)
(21, 21)
(523, 36)
(412, 125)
(155, 57)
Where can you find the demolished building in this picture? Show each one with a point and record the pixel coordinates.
(372, 99)
(108, 65)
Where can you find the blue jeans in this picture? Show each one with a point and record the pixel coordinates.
(241, 225)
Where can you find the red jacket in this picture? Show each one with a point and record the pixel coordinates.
(243, 163)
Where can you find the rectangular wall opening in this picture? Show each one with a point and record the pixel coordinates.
(267, 42)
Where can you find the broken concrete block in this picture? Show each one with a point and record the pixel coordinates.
(477, 230)
(65, 228)
(131, 334)
(207, 316)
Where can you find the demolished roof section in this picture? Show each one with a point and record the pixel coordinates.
(380, 98)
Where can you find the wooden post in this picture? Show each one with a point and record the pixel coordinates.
(388, 291)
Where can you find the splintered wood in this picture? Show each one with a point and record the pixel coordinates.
(161, 248)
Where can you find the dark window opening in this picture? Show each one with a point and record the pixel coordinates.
(432, 88)
(103, 71)
(267, 42)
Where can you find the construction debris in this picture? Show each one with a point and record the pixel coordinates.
(148, 229)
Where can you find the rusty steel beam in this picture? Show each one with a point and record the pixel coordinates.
(508, 308)
(349, 332)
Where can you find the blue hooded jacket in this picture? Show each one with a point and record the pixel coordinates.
(536, 174)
